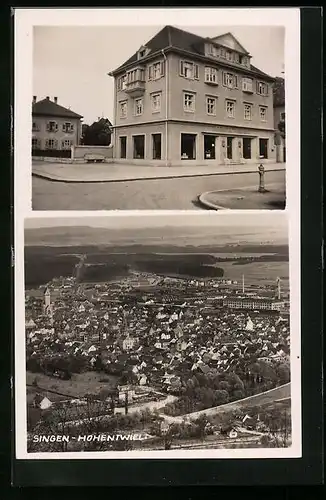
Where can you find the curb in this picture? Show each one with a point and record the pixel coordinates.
(49, 177)
(208, 204)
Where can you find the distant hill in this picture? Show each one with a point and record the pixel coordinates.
(158, 237)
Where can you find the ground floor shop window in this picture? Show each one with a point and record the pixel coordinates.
(123, 147)
(139, 147)
(157, 146)
(229, 147)
(188, 146)
(263, 148)
(246, 148)
(209, 147)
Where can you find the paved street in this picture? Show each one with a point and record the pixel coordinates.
(165, 194)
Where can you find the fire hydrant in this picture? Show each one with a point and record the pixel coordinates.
(261, 171)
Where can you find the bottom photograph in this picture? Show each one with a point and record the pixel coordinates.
(156, 332)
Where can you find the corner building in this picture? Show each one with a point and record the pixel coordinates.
(186, 100)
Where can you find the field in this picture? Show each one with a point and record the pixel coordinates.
(79, 384)
(43, 263)
(257, 272)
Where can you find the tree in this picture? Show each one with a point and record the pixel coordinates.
(281, 128)
(97, 134)
(283, 373)
(221, 397)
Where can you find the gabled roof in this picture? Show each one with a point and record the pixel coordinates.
(46, 107)
(279, 92)
(223, 40)
(171, 38)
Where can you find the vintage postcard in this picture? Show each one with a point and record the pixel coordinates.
(158, 335)
(193, 115)
(157, 234)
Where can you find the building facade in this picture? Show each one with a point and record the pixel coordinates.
(184, 99)
(279, 118)
(253, 304)
(54, 127)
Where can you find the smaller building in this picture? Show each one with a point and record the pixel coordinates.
(55, 129)
(279, 118)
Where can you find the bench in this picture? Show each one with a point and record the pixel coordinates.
(93, 158)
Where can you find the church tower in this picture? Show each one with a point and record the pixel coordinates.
(47, 298)
(47, 307)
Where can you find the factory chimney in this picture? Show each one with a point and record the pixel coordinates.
(278, 281)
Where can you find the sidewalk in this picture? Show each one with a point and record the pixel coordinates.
(111, 172)
(245, 199)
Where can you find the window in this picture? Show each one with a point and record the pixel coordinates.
(282, 116)
(247, 111)
(66, 143)
(51, 144)
(188, 146)
(244, 60)
(156, 102)
(212, 50)
(35, 127)
(123, 109)
(263, 113)
(222, 52)
(209, 147)
(142, 53)
(263, 148)
(138, 107)
(211, 105)
(135, 75)
(189, 70)
(68, 127)
(230, 109)
(189, 102)
(123, 147)
(122, 82)
(52, 126)
(139, 146)
(229, 55)
(210, 75)
(156, 138)
(35, 143)
(246, 148)
(230, 80)
(156, 70)
(247, 85)
(262, 88)
(236, 57)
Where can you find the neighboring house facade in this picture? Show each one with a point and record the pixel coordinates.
(184, 99)
(279, 116)
(53, 126)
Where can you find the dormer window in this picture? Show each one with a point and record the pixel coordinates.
(229, 55)
(143, 52)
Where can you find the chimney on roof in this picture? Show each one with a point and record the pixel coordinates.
(34, 99)
(47, 97)
(55, 99)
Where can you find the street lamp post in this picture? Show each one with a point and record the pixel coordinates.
(261, 171)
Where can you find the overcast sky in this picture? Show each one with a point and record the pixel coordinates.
(72, 62)
(263, 221)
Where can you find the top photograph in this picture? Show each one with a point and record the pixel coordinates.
(158, 118)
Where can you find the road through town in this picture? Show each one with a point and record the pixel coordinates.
(165, 194)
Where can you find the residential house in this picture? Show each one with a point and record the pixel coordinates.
(184, 99)
(279, 117)
(54, 127)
